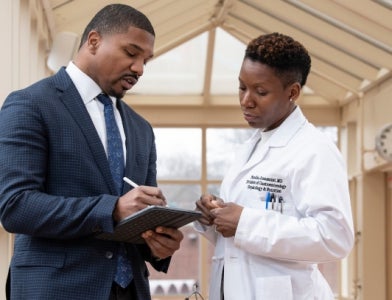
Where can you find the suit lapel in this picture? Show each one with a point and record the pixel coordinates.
(130, 142)
(74, 104)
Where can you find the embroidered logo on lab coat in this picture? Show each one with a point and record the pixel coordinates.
(266, 184)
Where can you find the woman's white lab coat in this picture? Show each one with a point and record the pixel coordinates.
(275, 251)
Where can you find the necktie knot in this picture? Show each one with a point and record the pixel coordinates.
(104, 99)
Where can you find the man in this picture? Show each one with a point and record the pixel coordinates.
(57, 187)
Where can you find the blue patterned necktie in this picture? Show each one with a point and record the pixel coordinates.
(114, 143)
(115, 155)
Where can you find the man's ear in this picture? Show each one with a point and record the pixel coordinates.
(93, 41)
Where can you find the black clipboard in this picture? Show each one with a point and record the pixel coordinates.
(129, 230)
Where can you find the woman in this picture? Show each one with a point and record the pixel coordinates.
(284, 204)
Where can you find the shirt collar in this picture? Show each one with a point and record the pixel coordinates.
(88, 89)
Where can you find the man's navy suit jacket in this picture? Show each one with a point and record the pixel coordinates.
(56, 193)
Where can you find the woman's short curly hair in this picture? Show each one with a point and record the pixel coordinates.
(287, 57)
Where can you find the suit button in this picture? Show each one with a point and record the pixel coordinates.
(109, 254)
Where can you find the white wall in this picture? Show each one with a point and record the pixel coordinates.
(371, 195)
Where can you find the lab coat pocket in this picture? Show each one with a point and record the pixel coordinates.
(274, 287)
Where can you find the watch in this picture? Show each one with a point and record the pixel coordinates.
(384, 142)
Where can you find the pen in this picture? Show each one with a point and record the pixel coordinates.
(135, 185)
(267, 199)
(130, 182)
(281, 204)
(273, 200)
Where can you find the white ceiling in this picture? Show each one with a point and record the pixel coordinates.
(350, 41)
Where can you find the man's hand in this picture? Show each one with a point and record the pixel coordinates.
(164, 241)
(137, 199)
(205, 204)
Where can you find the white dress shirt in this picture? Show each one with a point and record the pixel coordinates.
(89, 90)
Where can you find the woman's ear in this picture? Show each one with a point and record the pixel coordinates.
(294, 91)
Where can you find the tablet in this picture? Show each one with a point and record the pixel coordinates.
(130, 229)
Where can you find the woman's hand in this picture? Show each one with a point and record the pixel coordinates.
(226, 218)
(205, 204)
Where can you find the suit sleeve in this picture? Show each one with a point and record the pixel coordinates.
(27, 204)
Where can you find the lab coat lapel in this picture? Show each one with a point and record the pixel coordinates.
(248, 160)
(246, 150)
(240, 160)
(280, 138)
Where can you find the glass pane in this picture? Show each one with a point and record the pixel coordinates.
(183, 272)
(179, 153)
(180, 280)
(228, 55)
(221, 147)
(179, 71)
(181, 195)
(213, 189)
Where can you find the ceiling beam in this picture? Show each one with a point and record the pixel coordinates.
(209, 63)
(223, 116)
